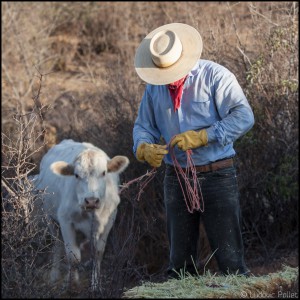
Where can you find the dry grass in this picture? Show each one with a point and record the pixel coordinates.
(272, 285)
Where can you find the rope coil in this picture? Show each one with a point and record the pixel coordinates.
(191, 193)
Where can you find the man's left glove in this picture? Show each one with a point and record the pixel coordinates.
(190, 139)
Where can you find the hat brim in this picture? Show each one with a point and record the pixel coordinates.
(191, 51)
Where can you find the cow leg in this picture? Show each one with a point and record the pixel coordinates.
(100, 247)
(57, 251)
(72, 250)
(56, 258)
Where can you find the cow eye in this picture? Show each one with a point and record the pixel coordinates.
(76, 175)
(104, 173)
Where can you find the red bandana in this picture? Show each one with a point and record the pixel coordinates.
(175, 90)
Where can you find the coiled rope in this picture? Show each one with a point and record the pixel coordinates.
(191, 190)
(192, 193)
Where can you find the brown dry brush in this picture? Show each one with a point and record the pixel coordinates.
(24, 242)
(268, 155)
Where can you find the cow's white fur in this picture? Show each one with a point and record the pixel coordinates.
(97, 177)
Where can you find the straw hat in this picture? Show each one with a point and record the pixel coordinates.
(168, 53)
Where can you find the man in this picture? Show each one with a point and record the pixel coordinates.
(198, 105)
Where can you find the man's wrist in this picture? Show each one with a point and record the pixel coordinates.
(211, 136)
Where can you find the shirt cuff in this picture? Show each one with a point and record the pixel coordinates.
(211, 134)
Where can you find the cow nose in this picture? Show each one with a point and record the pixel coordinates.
(91, 202)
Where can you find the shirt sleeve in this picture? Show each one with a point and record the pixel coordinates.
(145, 129)
(234, 110)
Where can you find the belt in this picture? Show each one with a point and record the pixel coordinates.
(225, 163)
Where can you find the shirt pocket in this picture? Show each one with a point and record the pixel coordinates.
(201, 99)
(202, 111)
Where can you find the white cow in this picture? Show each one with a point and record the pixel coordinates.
(81, 195)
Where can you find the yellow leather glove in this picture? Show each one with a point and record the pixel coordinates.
(190, 139)
(151, 153)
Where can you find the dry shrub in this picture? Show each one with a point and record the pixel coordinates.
(268, 155)
(25, 244)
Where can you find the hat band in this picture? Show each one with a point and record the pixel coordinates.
(165, 48)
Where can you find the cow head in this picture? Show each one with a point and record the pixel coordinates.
(90, 170)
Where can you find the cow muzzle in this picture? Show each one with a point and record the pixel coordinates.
(91, 203)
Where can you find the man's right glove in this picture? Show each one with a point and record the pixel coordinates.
(152, 153)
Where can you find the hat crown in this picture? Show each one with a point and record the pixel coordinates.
(168, 53)
(165, 48)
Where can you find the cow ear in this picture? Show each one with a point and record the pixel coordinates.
(117, 164)
(62, 168)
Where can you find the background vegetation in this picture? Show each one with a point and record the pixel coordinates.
(67, 72)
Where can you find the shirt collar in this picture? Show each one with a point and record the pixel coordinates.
(195, 69)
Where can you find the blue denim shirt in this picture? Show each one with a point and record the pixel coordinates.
(212, 99)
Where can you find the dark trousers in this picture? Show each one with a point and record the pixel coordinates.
(221, 219)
